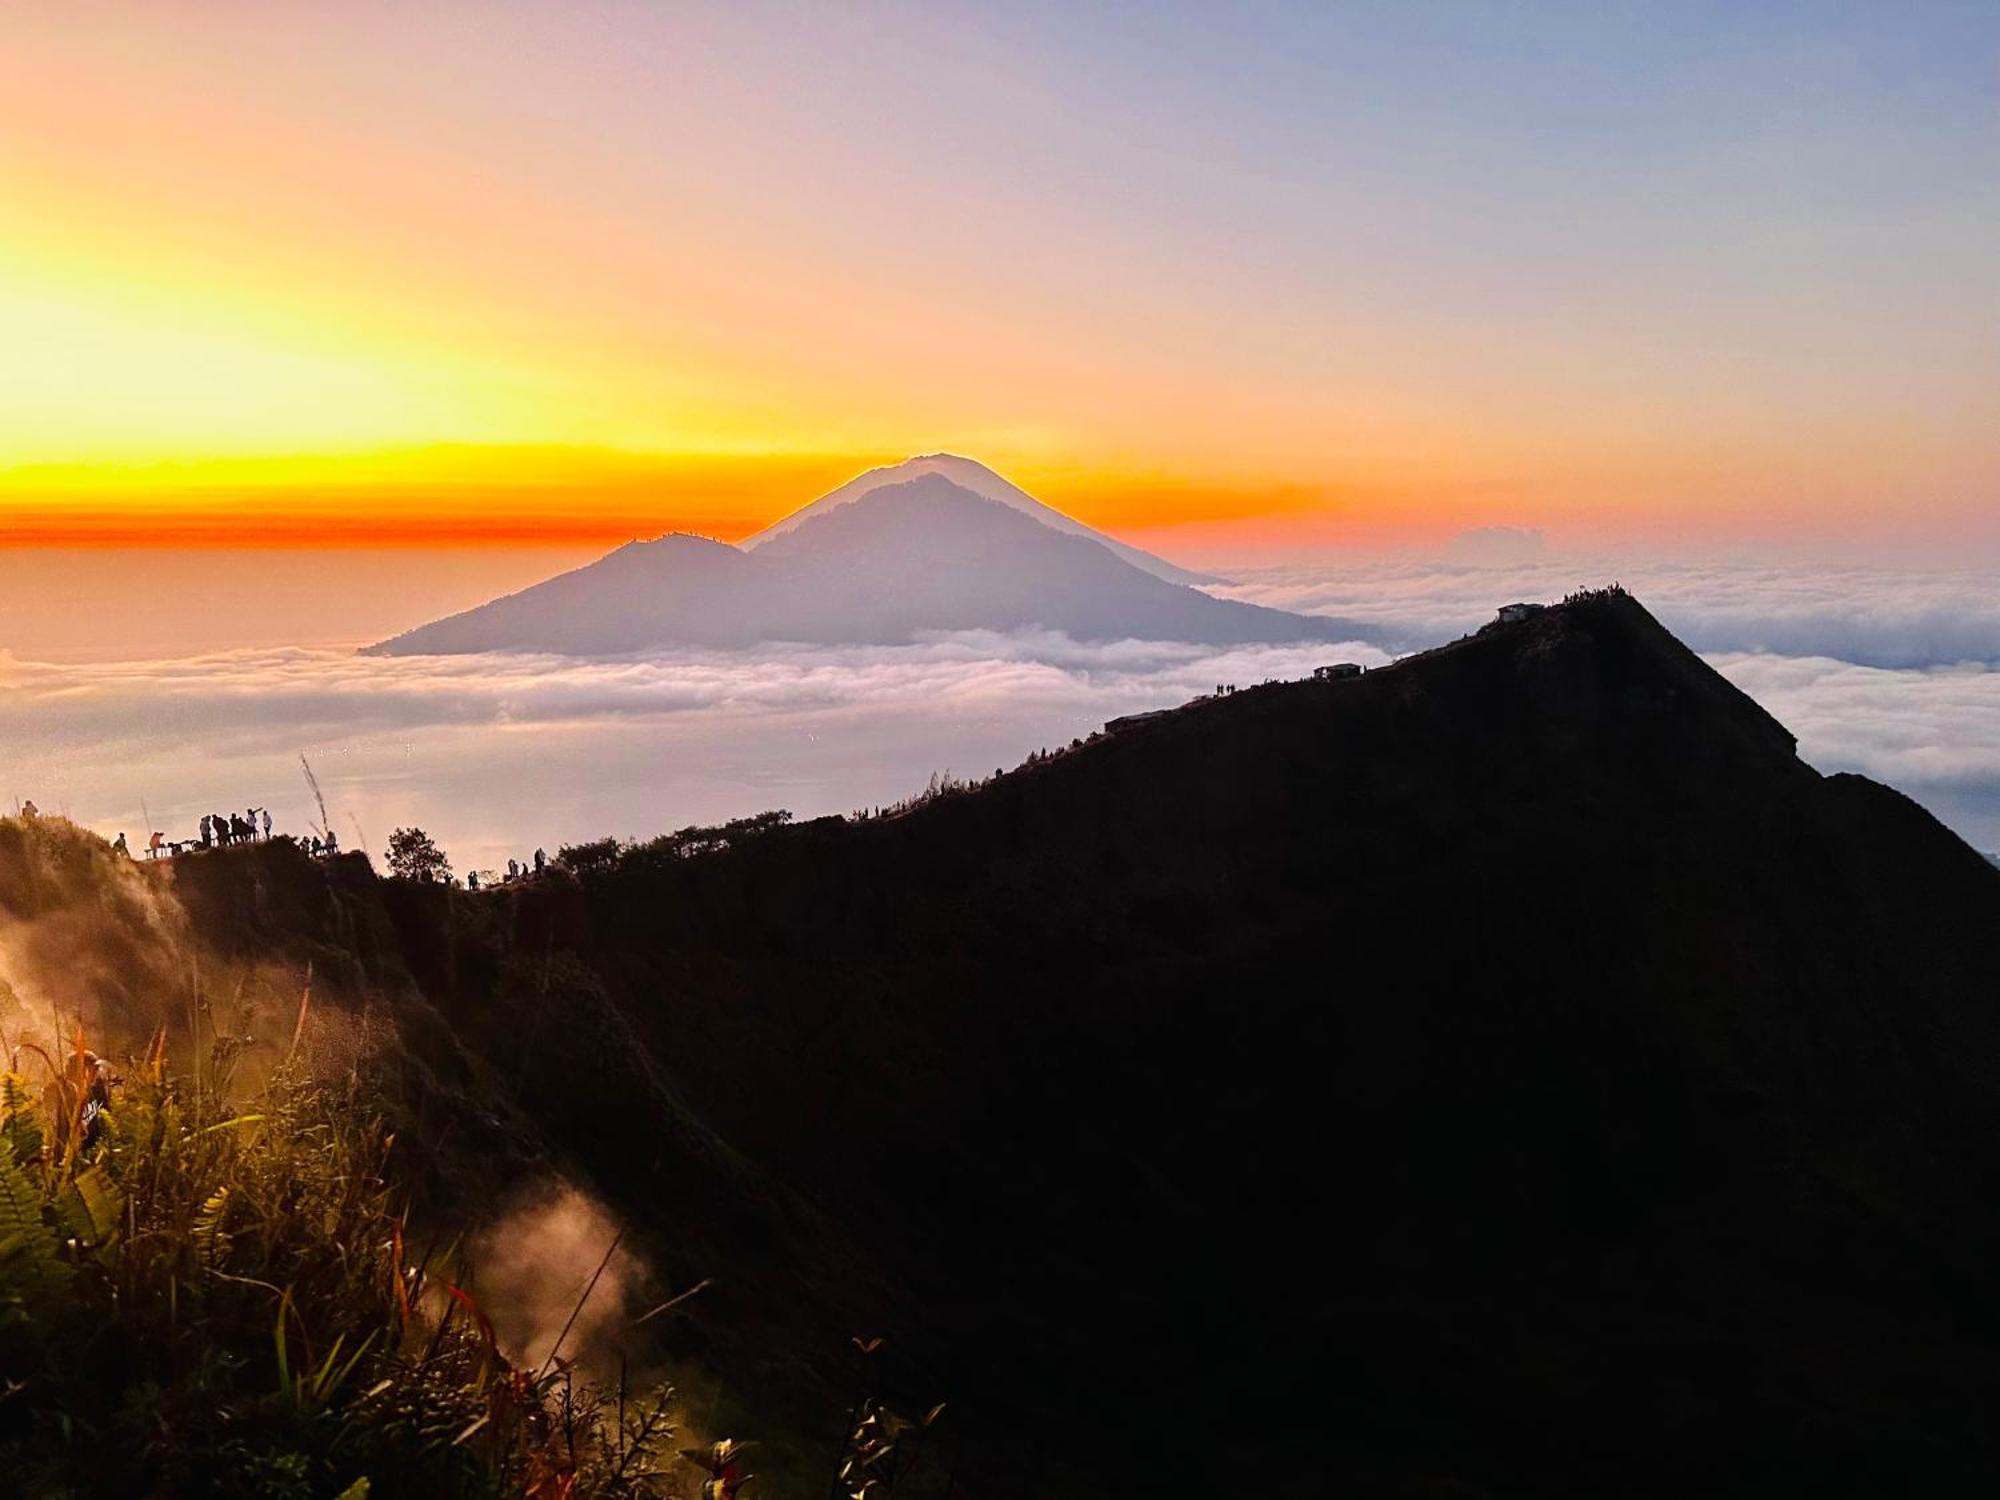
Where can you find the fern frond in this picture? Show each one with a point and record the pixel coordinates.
(30, 1268)
(18, 1125)
(92, 1207)
(211, 1240)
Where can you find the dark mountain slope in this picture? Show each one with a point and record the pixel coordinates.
(1512, 1072)
(904, 559)
(1514, 1067)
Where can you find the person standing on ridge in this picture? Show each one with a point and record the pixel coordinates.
(541, 860)
(119, 846)
(265, 814)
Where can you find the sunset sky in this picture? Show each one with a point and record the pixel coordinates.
(360, 273)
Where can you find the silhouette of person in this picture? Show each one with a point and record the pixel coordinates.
(119, 847)
(472, 880)
(266, 815)
(207, 829)
(29, 810)
(541, 859)
(94, 1075)
(332, 843)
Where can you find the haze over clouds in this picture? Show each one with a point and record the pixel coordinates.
(1933, 732)
(496, 754)
(1891, 674)
(1875, 616)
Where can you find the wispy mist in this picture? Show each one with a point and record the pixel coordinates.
(553, 1273)
(1892, 674)
(1879, 617)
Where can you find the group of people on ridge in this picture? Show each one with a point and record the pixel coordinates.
(226, 828)
(516, 870)
(220, 831)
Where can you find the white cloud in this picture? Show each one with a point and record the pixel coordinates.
(1876, 616)
(491, 751)
(498, 754)
(265, 696)
(1939, 726)
(1932, 732)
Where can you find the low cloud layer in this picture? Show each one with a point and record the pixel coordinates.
(1877, 617)
(499, 754)
(1893, 675)
(1933, 732)
(1936, 727)
(265, 701)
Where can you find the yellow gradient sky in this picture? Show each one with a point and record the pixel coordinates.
(356, 273)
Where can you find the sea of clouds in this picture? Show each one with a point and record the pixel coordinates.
(1896, 675)
(1876, 617)
(496, 755)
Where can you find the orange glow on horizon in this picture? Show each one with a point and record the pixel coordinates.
(535, 496)
(270, 278)
(445, 495)
(454, 494)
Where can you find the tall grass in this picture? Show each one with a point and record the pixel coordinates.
(206, 1297)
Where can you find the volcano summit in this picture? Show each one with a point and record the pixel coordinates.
(894, 555)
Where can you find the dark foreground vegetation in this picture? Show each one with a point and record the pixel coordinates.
(1509, 1073)
(197, 1299)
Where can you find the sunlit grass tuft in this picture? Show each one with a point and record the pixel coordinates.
(205, 1294)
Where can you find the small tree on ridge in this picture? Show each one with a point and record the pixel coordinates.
(415, 856)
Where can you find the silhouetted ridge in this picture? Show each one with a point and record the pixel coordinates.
(1508, 1072)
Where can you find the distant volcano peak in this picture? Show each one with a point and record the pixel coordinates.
(935, 545)
(982, 481)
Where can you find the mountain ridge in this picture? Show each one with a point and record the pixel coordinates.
(1509, 1071)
